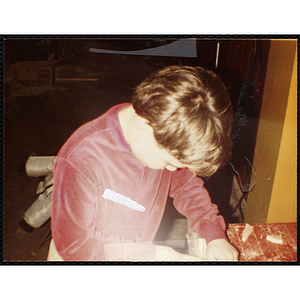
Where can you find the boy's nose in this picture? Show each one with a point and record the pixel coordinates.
(171, 168)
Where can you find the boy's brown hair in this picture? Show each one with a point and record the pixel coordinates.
(190, 112)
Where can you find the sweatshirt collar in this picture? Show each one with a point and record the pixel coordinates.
(115, 126)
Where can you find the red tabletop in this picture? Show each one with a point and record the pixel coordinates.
(258, 248)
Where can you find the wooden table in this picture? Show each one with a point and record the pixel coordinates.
(258, 248)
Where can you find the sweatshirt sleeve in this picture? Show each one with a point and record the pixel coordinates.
(78, 219)
(192, 200)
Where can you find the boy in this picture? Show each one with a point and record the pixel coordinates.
(113, 176)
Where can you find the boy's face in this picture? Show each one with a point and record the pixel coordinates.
(148, 152)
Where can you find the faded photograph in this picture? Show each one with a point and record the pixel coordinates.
(150, 149)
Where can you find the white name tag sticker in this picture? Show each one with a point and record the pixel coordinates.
(118, 198)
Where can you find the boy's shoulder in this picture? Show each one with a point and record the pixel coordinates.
(93, 132)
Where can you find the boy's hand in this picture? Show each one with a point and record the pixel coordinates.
(221, 249)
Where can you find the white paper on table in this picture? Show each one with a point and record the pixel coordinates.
(247, 231)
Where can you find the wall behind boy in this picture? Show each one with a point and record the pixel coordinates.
(273, 198)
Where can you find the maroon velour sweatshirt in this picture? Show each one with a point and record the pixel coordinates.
(106, 205)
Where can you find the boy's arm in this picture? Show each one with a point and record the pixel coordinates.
(192, 200)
